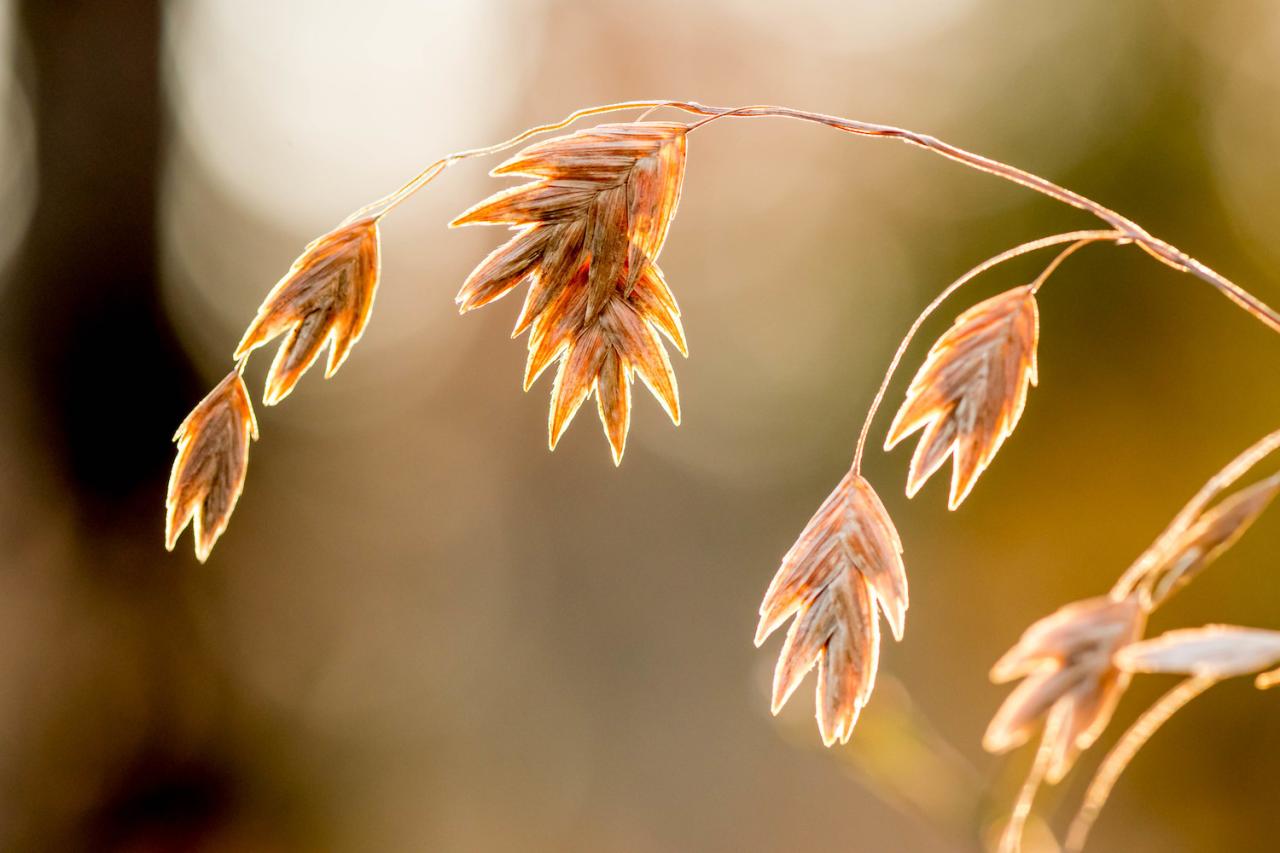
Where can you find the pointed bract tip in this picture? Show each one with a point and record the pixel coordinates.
(897, 622)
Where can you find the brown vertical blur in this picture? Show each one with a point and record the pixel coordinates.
(99, 361)
(117, 751)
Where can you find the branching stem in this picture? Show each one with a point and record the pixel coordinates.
(1057, 262)
(1121, 229)
(1234, 470)
(1123, 752)
(1158, 249)
(387, 203)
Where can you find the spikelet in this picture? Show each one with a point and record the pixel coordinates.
(1206, 655)
(847, 561)
(213, 456)
(1211, 651)
(325, 298)
(971, 390)
(1183, 553)
(588, 232)
(1065, 661)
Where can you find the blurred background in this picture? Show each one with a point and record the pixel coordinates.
(423, 631)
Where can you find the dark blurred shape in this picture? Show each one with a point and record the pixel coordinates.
(108, 380)
(161, 803)
(101, 383)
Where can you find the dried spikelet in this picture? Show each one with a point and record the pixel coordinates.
(1065, 661)
(325, 298)
(213, 456)
(1184, 553)
(971, 390)
(1211, 651)
(847, 560)
(588, 233)
(1206, 655)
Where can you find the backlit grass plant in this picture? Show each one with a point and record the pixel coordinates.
(586, 228)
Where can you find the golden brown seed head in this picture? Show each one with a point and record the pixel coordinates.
(1182, 554)
(847, 561)
(971, 390)
(1065, 663)
(213, 456)
(589, 230)
(1212, 651)
(324, 299)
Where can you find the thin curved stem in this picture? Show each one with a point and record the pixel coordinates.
(1057, 262)
(1123, 752)
(1232, 471)
(1011, 836)
(389, 202)
(1076, 238)
(1160, 250)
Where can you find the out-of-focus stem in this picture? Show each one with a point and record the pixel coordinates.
(1123, 752)
(1011, 836)
(1234, 470)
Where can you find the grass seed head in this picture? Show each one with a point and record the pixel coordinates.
(213, 456)
(1065, 663)
(589, 228)
(846, 564)
(971, 390)
(325, 298)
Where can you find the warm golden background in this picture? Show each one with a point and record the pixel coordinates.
(422, 630)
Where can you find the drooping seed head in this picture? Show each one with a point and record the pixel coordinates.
(208, 473)
(847, 561)
(1065, 663)
(971, 390)
(602, 356)
(589, 230)
(1182, 553)
(324, 299)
